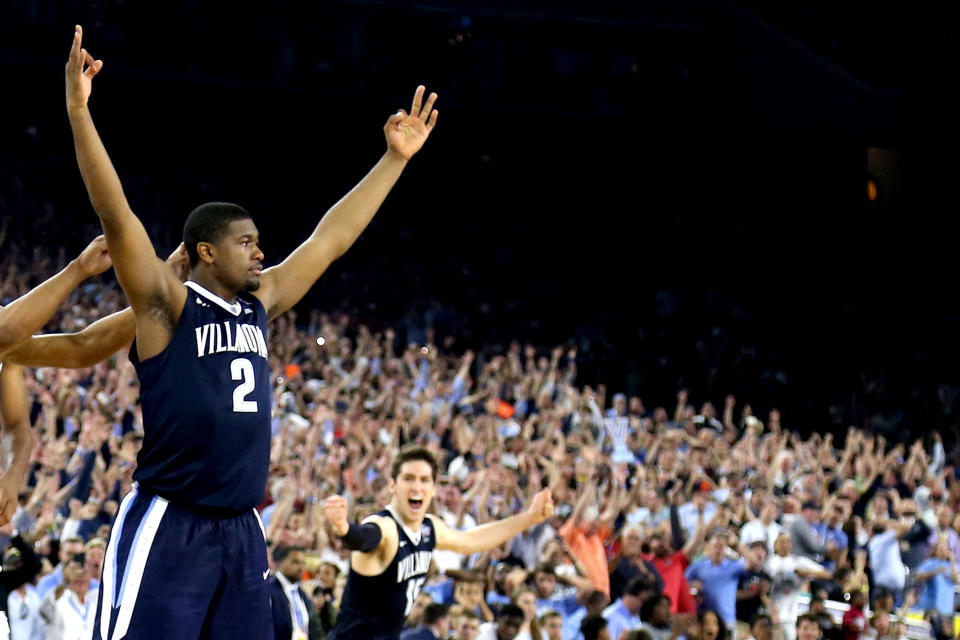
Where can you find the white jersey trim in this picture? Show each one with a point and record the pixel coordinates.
(233, 308)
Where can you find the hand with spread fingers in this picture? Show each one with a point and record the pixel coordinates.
(81, 68)
(406, 132)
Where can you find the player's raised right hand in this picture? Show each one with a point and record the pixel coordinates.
(336, 509)
(81, 67)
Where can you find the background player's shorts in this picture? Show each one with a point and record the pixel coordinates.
(169, 573)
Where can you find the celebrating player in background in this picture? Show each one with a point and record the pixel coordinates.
(392, 549)
(200, 353)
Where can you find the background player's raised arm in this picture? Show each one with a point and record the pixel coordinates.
(144, 278)
(492, 534)
(27, 314)
(284, 285)
(95, 343)
(15, 410)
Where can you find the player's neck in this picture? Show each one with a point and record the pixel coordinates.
(208, 281)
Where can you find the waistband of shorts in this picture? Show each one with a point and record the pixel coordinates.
(203, 511)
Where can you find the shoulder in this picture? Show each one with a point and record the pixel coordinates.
(388, 526)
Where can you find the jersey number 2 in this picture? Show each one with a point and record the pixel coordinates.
(413, 590)
(242, 369)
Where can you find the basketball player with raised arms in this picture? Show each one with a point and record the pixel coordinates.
(187, 557)
(391, 550)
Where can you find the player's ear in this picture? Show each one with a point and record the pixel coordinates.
(205, 251)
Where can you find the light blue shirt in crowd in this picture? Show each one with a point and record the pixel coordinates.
(719, 585)
(619, 619)
(938, 589)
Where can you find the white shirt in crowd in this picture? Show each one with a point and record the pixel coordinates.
(69, 619)
(888, 569)
(24, 615)
(785, 587)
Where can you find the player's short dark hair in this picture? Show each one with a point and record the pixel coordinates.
(208, 223)
(281, 552)
(414, 452)
(545, 567)
(433, 612)
(592, 626)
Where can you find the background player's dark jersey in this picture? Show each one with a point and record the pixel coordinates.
(376, 606)
(206, 402)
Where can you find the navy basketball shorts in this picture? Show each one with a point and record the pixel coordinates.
(170, 573)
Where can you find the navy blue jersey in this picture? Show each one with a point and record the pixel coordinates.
(206, 402)
(376, 606)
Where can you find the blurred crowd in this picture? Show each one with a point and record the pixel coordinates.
(690, 520)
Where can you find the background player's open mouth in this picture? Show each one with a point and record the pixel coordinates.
(415, 503)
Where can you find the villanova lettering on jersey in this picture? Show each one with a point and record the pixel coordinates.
(217, 337)
(413, 565)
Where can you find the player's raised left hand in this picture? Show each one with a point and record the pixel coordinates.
(406, 132)
(81, 67)
(95, 259)
(541, 506)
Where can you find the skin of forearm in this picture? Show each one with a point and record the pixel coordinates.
(99, 176)
(27, 314)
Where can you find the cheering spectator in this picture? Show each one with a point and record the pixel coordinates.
(716, 577)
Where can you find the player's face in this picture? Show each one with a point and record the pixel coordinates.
(414, 489)
(239, 259)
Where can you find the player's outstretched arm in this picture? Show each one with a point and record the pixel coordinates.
(85, 348)
(282, 286)
(28, 313)
(492, 534)
(15, 411)
(141, 275)
(95, 343)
